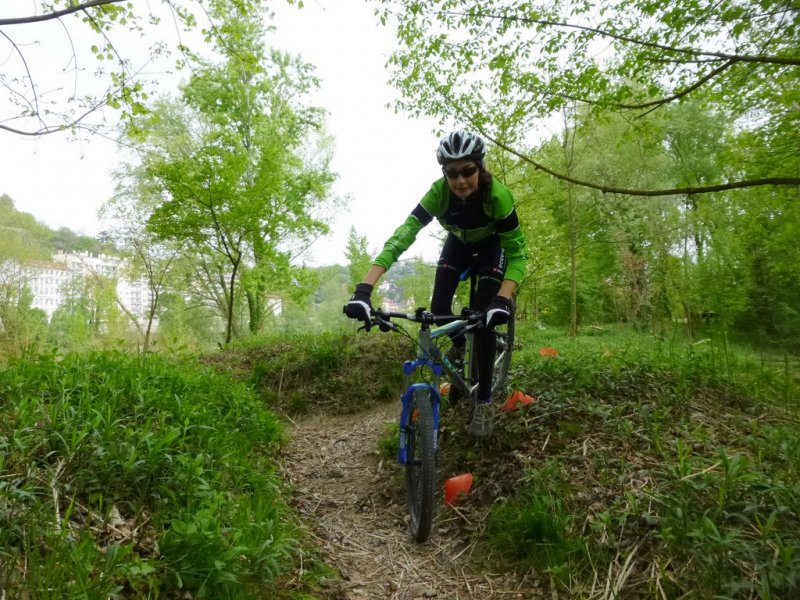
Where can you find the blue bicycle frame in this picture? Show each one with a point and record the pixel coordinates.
(427, 349)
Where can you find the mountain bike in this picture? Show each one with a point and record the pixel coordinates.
(421, 400)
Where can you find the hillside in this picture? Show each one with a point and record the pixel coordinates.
(23, 237)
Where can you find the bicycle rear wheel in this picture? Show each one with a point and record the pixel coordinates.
(502, 357)
(421, 465)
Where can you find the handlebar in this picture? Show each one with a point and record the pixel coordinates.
(383, 318)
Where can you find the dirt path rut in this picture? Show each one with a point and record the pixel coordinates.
(353, 504)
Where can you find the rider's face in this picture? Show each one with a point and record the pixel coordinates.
(462, 177)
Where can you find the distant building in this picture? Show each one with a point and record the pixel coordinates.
(390, 292)
(48, 280)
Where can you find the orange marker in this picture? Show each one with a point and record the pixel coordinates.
(455, 486)
(517, 399)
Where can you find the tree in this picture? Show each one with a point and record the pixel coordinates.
(128, 212)
(90, 312)
(324, 309)
(241, 166)
(106, 33)
(416, 282)
(503, 64)
(358, 257)
(20, 324)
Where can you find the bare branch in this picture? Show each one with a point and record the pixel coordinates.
(684, 92)
(57, 14)
(74, 56)
(55, 128)
(30, 77)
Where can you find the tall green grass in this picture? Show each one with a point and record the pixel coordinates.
(332, 372)
(136, 476)
(649, 468)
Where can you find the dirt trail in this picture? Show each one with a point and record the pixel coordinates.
(353, 503)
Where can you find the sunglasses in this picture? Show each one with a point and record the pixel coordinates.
(466, 172)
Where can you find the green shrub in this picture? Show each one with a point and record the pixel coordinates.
(668, 469)
(333, 372)
(389, 442)
(159, 473)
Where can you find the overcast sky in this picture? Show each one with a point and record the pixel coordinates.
(63, 181)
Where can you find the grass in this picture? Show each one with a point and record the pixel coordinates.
(125, 476)
(332, 372)
(648, 467)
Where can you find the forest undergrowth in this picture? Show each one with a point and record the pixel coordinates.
(646, 467)
(129, 476)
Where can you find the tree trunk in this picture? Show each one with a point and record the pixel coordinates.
(231, 290)
(573, 266)
(150, 317)
(255, 308)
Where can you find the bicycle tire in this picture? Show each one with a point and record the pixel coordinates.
(421, 465)
(504, 349)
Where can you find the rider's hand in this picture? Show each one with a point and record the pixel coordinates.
(498, 312)
(360, 306)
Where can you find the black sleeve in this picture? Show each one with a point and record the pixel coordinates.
(508, 223)
(422, 215)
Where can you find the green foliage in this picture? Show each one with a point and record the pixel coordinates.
(389, 442)
(22, 237)
(536, 527)
(641, 453)
(535, 59)
(136, 473)
(332, 372)
(21, 326)
(658, 264)
(240, 165)
(415, 283)
(358, 257)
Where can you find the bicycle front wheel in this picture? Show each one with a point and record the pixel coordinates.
(421, 465)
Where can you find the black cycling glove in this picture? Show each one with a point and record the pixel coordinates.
(498, 312)
(360, 305)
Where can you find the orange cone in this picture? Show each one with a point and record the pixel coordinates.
(457, 486)
(548, 352)
(516, 400)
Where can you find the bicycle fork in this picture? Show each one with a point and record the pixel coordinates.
(406, 414)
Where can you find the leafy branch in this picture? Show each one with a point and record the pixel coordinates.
(606, 189)
(57, 14)
(763, 58)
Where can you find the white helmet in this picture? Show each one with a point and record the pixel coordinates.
(460, 144)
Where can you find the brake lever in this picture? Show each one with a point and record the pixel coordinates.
(475, 321)
(385, 325)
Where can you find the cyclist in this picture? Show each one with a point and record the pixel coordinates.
(478, 213)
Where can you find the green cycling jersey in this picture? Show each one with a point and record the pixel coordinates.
(472, 220)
